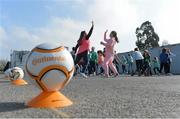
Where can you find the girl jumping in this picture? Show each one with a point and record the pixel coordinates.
(83, 46)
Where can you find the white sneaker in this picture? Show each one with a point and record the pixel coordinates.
(94, 74)
(169, 74)
(84, 75)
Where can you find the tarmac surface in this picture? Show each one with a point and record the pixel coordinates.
(98, 97)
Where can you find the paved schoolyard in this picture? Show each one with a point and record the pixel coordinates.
(121, 97)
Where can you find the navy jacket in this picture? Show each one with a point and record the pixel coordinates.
(163, 58)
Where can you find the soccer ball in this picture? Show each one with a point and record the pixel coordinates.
(50, 66)
(14, 73)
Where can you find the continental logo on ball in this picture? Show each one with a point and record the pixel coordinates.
(39, 60)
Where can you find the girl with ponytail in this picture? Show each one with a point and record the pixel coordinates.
(109, 53)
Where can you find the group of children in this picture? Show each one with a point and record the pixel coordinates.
(89, 60)
(145, 63)
(108, 63)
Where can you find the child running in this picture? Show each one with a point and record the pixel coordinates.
(156, 65)
(109, 53)
(83, 46)
(147, 63)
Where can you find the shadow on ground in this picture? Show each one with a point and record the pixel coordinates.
(11, 106)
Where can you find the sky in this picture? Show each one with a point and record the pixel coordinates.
(25, 24)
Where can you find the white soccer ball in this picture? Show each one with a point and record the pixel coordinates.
(14, 73)
(51, 66)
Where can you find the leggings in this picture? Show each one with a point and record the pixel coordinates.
(84, 56)
(156, 69)
(139, 66)
(165, 66)
(108, 62)
(92, 67)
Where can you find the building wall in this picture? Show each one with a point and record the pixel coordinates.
(175, 48)
(18, 58)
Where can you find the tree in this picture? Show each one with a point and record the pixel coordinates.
(146, 36)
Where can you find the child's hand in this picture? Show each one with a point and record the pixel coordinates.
(92, 22)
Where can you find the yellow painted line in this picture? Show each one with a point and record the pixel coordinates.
(60, 113)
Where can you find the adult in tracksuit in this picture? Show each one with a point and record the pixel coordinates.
(82, 48)
(138, 57)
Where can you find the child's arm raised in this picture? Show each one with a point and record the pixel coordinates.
(90, 31)
(105, 39)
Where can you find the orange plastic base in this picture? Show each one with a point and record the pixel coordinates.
(49, 100)
(19, 82)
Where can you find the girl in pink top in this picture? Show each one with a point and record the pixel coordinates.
(109, 53)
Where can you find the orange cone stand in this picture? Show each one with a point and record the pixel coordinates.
(49, 100)
(19, 82)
